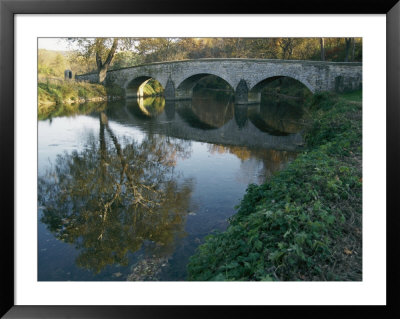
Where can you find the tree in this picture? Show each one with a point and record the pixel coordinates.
(157, 49)
(348, 43)
(354, 49)
(124, 59)
(51, 63)
(287, 46)
(102, 67)
(103, 49)
(322, 42)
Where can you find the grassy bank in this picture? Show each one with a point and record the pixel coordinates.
(53, 94)
(305, 222)
(152, 88)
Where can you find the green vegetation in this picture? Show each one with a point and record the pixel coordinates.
(288, 87)
(125, 59)
(68, 91)
(212, 83)
(153, 88)
(58, 97)
(168, 49)
(305, 222)
(63, 97)
(52, 63)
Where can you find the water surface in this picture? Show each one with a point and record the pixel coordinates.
(129, 189)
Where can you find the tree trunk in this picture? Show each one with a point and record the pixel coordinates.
(353, 50)
(348, 42)
(103, 67)
(322, 42)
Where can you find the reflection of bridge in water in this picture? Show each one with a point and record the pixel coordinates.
(179, 120)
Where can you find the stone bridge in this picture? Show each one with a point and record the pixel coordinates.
(246, 76)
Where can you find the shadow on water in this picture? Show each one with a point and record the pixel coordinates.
(207, 111)
(278, 115)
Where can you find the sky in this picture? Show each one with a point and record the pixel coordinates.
(57, 44)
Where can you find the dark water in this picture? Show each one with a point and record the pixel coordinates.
(128, 190)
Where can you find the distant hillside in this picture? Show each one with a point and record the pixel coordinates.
(52, 63)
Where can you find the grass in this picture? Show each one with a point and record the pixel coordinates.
(62, 95)
(305, 222)
(68, 91)
(152, 88)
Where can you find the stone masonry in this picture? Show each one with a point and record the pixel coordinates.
(245, 76)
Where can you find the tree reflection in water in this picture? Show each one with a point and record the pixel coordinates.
(111, 197)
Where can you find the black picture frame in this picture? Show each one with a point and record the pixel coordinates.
(8, 8)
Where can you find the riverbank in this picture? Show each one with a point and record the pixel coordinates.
(305, 223)
(52, 95)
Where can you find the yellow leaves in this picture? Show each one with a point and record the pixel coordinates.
(347, 251)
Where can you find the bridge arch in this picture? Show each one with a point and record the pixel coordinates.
(135, 87)
(261, 82)
(184, 89)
